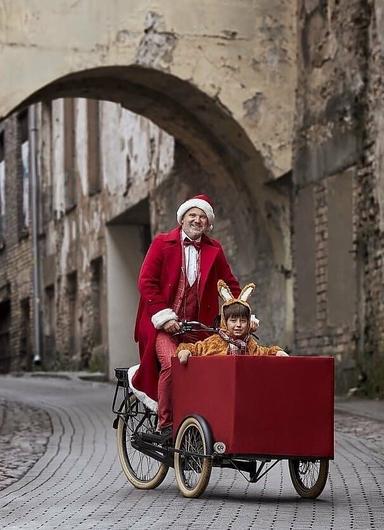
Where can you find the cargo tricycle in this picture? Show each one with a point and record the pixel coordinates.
(240, 412)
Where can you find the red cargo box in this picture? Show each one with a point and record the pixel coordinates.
(267, 406)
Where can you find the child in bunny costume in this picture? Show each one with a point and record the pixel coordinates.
(233, 337)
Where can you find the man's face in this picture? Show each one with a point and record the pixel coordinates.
(237, 327)
(194, 223)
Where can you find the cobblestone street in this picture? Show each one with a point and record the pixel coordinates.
(24, 433)
(77, 481)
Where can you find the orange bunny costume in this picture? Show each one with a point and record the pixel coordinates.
(222, 343)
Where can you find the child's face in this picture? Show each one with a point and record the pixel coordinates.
(237, 326)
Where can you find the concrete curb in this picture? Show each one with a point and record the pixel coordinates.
(71, 376)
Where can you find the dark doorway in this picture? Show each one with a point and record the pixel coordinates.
(25, 335)
(5, 321)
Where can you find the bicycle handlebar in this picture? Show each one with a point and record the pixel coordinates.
(192, 326)
(188, 326)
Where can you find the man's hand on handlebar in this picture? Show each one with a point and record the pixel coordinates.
(172, 326)
(179, 328)
(183, 356)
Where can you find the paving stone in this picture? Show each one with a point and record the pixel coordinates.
(77, 481)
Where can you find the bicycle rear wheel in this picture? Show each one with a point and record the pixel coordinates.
(142, 471)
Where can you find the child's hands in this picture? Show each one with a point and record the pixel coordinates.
(183, 356)
(281, 353)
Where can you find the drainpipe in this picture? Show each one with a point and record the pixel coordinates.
(35, 195)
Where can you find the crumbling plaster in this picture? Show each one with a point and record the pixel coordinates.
(230, 50)
(74, 237)
(338, 163)
(136, 152)
(376, 43)
(124, 136)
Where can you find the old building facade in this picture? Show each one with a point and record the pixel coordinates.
(89, 157)
(338, 177)
(273, 108)
(100, 180)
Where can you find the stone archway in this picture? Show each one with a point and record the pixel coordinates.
(239, 54)
(215, 155)
(217, 92)
(209, 131)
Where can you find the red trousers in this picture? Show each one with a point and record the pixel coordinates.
(166, 346)
(186, 304)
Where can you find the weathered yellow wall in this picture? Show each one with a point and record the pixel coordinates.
(241, 53)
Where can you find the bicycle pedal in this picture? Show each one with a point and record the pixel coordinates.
(150, 437)
(160, 438)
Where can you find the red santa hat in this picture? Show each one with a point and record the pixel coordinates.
(198, 201)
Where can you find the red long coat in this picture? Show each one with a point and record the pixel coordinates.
(158, 281)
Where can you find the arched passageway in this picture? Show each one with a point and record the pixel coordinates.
(214, 155)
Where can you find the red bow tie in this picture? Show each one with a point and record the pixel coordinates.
(189, 242)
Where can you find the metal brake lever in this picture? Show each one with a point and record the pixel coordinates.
(193, 326)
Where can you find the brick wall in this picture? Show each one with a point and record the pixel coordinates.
(16, 256)
(370, 208)
(325, 273)
(71, 350)
(338, 161)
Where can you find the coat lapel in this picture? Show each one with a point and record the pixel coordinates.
(173, 256)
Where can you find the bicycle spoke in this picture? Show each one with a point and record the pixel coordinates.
(143, 466)
(308, 472)
(191, 464)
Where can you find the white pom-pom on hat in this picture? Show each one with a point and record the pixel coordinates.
(198, 201)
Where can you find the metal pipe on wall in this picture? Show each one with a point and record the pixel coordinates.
(35, 208)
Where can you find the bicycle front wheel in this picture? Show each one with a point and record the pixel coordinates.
(192, 467)
(309, 476)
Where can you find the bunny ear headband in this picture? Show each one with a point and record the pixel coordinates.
(227, 296)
